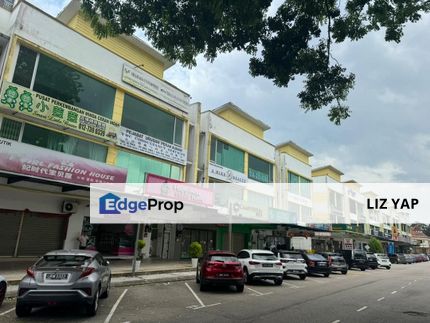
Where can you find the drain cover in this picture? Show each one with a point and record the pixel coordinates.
(413, 313)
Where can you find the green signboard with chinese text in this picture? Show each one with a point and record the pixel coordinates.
(20, 99)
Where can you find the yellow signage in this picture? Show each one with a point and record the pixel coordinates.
(20, 99)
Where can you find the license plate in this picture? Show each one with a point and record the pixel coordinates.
(267, 265)
(56, 276)
(223, 275)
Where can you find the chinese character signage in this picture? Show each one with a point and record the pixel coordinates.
(16, 98)
(20, 158)
(155, 87)
(152, 146)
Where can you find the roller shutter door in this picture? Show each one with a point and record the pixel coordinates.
(42, 233)
(9, 226)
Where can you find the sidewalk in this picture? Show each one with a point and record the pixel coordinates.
(13, 269)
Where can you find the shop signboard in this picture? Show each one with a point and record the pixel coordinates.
(151, 146)
(16, 98)
(24, 159)
(348, 244)
(177, 190)
(155, 87)
(226, 174)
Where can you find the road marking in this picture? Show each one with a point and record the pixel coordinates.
(112, 311)
(380, 299)
(393, 292)
(316, 280)
(8, 311)
(337, 321)
(362, 309)
(402, 287)
(292, 285)
(257, 293)
(202, 305)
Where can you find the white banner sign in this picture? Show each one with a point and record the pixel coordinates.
(156, 87)
(152, 146)
(226, 174)
(348, 244)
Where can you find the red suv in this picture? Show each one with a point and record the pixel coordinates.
(220, 268)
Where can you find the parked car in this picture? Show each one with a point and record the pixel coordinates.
(220, 268)
(372, 261)
(261, 264)
(3, 289)
(336, 262)
(293, 263)
(383, 260)
(65, 276)
(317, 264)
(355, 259)
(426, 258)
(397, 258)
(410, 259)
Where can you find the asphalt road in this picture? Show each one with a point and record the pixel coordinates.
(397, 295)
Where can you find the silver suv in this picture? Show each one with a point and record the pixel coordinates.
(65, 276)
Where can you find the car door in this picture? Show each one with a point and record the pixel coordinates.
(104, 270)
(243, 256)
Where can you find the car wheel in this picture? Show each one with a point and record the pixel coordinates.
(302, 277)
(3, 288)
(388, 267)
(327, 275)
(246, 276)
(363, 269)
(240, 288)
(373, 268)
(203, 286)
(197, 277)
(278, 281)
(94, 306)
(106, 292)
(22, 310)
(344, 272)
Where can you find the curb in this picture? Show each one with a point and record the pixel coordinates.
(135, 281)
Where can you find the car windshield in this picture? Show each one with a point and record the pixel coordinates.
(291, 255)
(263, 256)
(222, 258)
(63, 261)
(316, 257)
(338, 259)
(359, 255)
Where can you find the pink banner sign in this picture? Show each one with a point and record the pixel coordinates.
(178, 190)
(24, 159)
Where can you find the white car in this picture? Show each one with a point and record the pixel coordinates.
(261, 264)
(3, 288)
(383, 260)
(293, 263)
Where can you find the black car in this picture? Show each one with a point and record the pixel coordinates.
(372, 261)
(355, 259)
(336, 262)
(317, 264)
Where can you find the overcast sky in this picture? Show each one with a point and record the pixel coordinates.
(387, 137)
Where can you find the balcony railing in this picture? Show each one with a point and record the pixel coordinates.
(7, 4)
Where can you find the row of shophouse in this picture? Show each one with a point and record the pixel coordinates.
(75, 110)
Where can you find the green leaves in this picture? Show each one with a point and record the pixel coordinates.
(296, 41)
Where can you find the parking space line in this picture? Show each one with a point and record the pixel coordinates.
(202, 305)
(112, 311)
(361, 308)
(380, 299)
(8, 311)
(292, 285)
(337, 321)
(315, 280)
(257, 293)
(393, 292)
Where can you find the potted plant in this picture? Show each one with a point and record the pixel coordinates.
(195, 251)
(140, 245)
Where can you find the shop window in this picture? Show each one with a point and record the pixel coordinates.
(139, 166)
(63, 83)
(10, 129)
(24, 67)
(144, 118)
(60, 142)
(301, 185)
(260, 170)
(225, 155)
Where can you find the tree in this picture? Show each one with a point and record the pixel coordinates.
(375, 246)
(296, 41)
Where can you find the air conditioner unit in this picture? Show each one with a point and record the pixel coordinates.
(70, 207)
